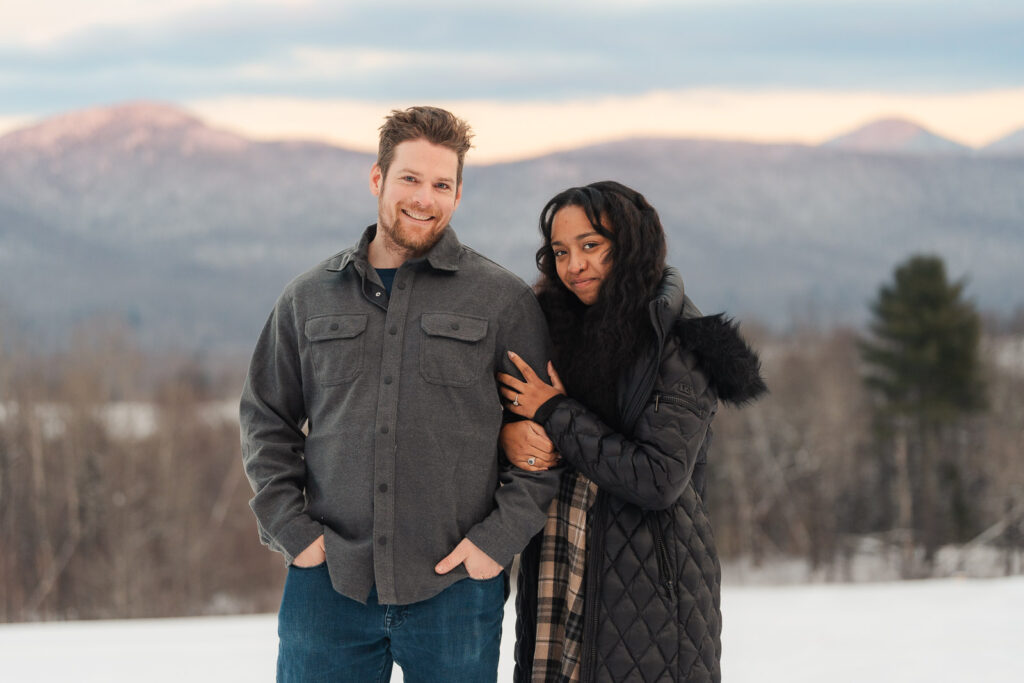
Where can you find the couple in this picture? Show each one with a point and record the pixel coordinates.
(385, 377)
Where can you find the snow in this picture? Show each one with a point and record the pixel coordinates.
(937, 630)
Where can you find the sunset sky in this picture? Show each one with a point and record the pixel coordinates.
(530, 75)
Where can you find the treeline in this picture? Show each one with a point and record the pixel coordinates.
(122, 492)
(898, 440)
(802, 474)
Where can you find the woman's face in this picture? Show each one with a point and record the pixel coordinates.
(582, 255)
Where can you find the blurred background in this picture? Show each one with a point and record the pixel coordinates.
(846, 178)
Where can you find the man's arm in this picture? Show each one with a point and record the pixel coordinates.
(522, 500)
(271, 413)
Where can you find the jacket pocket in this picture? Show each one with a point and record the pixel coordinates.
(683, 400)
(336, 343)
(452, 352)
(666, 572)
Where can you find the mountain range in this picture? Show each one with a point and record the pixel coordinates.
(189, 233)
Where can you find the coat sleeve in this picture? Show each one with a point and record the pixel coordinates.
(651, 467)
(271, 415)
(522, 500)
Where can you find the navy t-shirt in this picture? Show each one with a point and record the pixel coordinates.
(387, 276)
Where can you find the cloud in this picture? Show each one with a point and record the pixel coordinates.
(328, 67)
(186, 50)
(42, 23)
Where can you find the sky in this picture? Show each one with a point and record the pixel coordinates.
(530, 75)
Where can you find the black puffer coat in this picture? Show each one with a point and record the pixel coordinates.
(652, 575)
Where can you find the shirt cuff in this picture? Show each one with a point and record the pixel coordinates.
(298, 536)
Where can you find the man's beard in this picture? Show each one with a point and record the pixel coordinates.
(404, 241)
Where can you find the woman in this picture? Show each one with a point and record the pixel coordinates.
(623, 583)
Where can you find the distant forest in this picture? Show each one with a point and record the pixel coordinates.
(122, 492)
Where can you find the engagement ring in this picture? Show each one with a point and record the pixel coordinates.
(530, 461)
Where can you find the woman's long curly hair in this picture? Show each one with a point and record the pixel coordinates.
(595, 344)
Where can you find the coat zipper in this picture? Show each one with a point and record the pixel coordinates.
(596, 551)
(690, 403)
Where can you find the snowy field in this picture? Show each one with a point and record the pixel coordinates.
(942, 630)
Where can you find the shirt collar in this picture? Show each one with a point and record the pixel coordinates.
(444, 255)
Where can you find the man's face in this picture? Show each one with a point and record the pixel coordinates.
(416, 200)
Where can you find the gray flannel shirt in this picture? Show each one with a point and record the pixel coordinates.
(402, 410)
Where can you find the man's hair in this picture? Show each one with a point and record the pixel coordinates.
(436, 126)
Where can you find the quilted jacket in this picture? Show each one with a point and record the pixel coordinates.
(651, 609)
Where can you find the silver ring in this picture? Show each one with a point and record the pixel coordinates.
(515, 403)
(530, 461)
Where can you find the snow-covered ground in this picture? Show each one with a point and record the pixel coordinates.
(960, 630)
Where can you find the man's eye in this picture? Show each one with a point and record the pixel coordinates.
(442, 186)
(409, 178)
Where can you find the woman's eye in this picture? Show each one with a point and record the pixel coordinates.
(559, 253)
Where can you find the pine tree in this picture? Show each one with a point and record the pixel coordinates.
(924, 371)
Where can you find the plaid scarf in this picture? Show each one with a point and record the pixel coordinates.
(563, 556)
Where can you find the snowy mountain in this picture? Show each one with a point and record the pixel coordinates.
(1009, 144)
(895, 135)
(189, 233)
(124, 127)
(144, 212)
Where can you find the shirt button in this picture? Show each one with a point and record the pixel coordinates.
(382, 540)
(383, 488)
(334, 326)
(401, 285)
(393, 330)
(455, 326)
(384, 429)
(387, 380)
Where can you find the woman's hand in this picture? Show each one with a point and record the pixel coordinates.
(527, 446)
(524, 398)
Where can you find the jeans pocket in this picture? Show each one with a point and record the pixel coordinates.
(493, 578)
(322, 565)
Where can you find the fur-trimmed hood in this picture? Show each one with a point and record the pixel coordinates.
(730, 364)
(725, 357)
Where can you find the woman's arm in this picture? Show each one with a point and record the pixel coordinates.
(650, 468)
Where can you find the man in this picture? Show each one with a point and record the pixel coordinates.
(393, 512)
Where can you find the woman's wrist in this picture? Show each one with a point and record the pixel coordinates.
(548, 407)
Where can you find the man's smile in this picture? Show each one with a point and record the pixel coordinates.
(418, 216)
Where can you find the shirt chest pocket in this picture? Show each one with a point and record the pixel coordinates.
(336, 343)
(452, 351)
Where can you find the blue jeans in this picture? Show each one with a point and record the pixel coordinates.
(324, 636)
